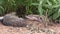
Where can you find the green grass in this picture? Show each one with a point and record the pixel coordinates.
(32, 7)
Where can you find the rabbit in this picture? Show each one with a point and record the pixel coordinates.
(39, 18)
(11, 20)
(35, 22)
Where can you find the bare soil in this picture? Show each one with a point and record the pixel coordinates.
(54, 29)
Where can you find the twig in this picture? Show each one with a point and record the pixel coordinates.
(46, 21)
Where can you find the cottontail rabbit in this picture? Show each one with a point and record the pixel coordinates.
(35, 22)
(12, 20)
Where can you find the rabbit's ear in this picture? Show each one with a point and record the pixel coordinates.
(32, 17)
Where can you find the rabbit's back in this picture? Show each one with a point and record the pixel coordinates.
(11, 20)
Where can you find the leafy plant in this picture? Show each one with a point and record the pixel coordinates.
(32, 7)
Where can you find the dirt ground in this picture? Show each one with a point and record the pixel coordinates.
(55, 29)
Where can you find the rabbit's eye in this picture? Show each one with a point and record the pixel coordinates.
(40, 18)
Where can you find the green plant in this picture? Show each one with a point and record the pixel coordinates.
(32, 7)
(53, 7)
(7, 6)
(1, 8)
